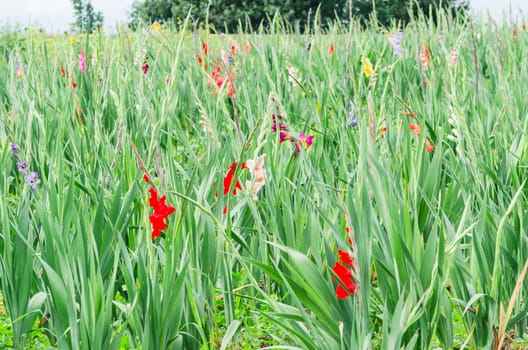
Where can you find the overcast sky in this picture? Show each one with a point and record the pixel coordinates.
(56, 15)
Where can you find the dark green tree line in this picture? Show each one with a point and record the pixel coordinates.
(230, 13)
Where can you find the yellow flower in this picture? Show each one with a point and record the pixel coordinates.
(367, 66)
(155, 26)
(74, 40)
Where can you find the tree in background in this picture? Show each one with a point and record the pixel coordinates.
(86, 18)
(399, 10)
(229, 14)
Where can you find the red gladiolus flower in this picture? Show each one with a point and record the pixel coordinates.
(228, 179)
(331, 50)
(199, 59)
(162, 211)
(220, 79)
(345, 258)
(146, 178)
(63, 72)
(348, 287)
(205, 49)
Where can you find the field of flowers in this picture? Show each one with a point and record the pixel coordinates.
(347, 189)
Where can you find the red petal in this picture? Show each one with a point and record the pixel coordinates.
(153, 200)
(341, 271)
(227, 181)
(341, 292)
(155, 233)
(345, 258)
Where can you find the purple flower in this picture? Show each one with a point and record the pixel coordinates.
(22, 167)
(14, 148)
(353, 121)
(32, 179)
(351, 109)
(395, 40)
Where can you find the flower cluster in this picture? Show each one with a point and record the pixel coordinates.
(301, 141)
(70, 78)
(31, 177)
(415, 128)
(162, 211)
(18, 67)
(253, 185)
(343, 270)
(219, 79)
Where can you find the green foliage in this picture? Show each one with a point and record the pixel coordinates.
(425, 190)
(86, 18)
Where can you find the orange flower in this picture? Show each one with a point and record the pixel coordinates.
(425, 57)
(415, 128)
(429, 147)
(247, 48)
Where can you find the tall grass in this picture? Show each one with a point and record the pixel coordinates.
(426, 192)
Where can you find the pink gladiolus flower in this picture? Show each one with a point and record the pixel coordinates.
(454, 56)
(303, 141)
(292, 75)
(82, 61)
(284, 136)
(145, 67)
(256, 169)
